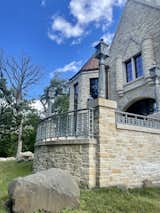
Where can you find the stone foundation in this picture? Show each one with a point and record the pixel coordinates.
(119, 155)
(75, 156)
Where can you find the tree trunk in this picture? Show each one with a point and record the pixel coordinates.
(19, 146)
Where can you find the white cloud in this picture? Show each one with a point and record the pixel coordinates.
(84, 12)
(73, 66)
(65, 28)
(43, 3)
(108, 37)
(55, 38)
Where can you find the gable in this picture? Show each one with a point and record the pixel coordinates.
(137, 21)
(132, 48)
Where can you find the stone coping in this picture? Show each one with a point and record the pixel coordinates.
(137, 128)
(78, 141)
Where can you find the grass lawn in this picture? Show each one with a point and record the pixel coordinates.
(8, 171)
(110, 200)
(114, 200)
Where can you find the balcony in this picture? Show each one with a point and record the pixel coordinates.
(76, 124)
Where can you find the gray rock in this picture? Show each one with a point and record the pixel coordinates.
(51, 190)
(147, 184)
(25, 156)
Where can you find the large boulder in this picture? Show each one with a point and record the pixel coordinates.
(51, 190)
(25, 156)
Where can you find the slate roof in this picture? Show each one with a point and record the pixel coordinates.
(91, 65)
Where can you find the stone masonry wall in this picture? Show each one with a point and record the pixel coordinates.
(127, 154)
(77, 157)
(119, 155)
(83, 80)
(138, 22)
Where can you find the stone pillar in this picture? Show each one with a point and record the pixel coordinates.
(105, 128)
(148, 57)
(157, 93)
(50, 100)
(119, 75)
(102, 79)
(102, 53)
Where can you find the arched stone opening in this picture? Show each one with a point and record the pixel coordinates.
(144, 106)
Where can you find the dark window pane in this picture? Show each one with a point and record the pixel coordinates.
(129, 74)
(76, 96)
(138, 65)
(94, 87)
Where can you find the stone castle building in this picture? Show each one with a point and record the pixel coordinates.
(111, 134)
(134, 53)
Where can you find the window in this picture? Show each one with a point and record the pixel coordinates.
(94, 87)
(134, 68)
(129, 74)
(138, 65)
(76, 96)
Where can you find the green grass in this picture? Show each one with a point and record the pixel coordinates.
(110, 200)
(114, 200)
(8, 171)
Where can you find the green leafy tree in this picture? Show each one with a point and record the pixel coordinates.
(57, 94)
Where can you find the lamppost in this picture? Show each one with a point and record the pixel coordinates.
(155, 75)
(102, 53)
(51, 98)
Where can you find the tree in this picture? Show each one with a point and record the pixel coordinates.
(21, 75)
(57, 95)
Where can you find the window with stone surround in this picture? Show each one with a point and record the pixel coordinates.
(94, 88)
(134, 68)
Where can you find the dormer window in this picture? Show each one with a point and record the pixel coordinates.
(134, 68)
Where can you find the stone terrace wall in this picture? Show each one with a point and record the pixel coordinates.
(76, 156)
(127, 155)
(120, 154)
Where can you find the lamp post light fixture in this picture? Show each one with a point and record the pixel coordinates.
(51, 98)
(102, 53)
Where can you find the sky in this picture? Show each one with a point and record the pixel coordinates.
(59, 35)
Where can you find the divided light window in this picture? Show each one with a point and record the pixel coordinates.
(134, 68)
(129, 73)
(94, 88)
(138, 65)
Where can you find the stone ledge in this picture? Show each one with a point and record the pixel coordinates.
(138, 128)
(66, 142)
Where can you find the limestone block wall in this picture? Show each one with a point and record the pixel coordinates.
(75, 156)
(138, 31)
(83, 80)
(127, 154)
(120, 154)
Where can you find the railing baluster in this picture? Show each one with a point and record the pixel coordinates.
(137, 120)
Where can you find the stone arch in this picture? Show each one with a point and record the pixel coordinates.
(141, 105)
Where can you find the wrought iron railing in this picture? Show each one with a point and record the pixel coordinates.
(137, 120)
(78, 123)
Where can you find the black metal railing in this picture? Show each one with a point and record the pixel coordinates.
(78, 123)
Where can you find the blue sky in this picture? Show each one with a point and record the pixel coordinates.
(59, 35)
